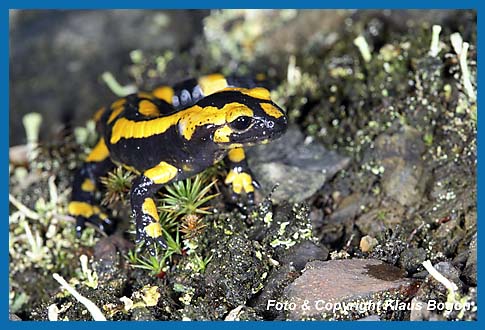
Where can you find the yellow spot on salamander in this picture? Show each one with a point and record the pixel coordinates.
(114, 113)
(236, 155)
(271, 110)
(240, 181)
(196, 116)
(188, 120)
(162, 173)
(212, 83)
(148, 109)
(99, 153)
(148, 207)
(145, 95)
(88, 185)
(98, 114)
(153, 230)
(118, 103)
(235, 110)
(124, 128)
(221, 135)
(82, 209)
(258, 93)
(164, 93)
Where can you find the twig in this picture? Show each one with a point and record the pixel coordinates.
(91, 307)
(452, 288)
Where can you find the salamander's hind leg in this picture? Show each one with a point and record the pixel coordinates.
(83, 204)
(148, 227)
(240, 176)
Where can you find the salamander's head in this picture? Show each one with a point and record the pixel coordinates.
(237, 116)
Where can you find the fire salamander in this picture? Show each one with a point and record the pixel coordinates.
(172, 134)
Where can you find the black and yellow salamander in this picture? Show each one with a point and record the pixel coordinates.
(172, 134)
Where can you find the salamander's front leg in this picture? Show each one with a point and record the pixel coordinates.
(148, 227)
(240, 176)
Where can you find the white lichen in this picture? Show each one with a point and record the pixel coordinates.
(363, 47)
(116, 87)
(435, 48)
(32, 122)
(461, 49)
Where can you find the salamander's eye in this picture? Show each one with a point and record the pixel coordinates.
(241, 123)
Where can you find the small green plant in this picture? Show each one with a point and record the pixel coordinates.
(381, 215)
(181, 208)
(117, 183)
(428, 139)
(201, 263)
(188, 196)
(174, 244)
(156, 263)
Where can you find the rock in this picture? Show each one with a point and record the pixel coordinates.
(370, 318)
(346, 289)
(400, 155)
(299, 255)
(234, 274)
(19, 155)
(450, 272)
(300, 168)
(348, 208)
(412, 259)
(107, 252)
(288, 225)
(110, 265)
(291, 264)
(470, 271)
(379, 219)
(423, 314)
(367, 243)
(277, 281)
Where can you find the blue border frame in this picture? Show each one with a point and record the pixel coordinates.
(208, 4)
(191, 4)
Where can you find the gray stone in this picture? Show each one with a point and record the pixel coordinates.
(299, 255)
(298, 167)
(470, 271)
(400, 155)
(450, 272)
(412, 259)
